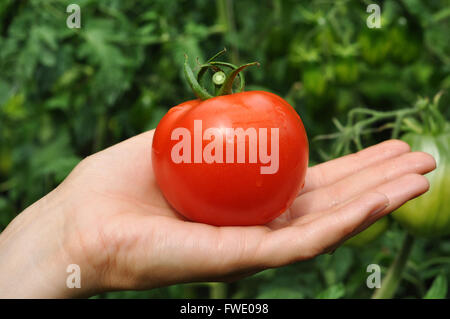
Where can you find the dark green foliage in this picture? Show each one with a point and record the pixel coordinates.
(66, 93)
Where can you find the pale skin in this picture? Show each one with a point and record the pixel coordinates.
(110, 218)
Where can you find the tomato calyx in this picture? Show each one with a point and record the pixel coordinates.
(223, 82)
(430, 119)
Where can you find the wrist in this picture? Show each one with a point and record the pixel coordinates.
(36, 250)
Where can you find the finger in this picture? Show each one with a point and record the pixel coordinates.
(135, 165)
(361, 182)
(136, 148)
(397, 195)
(398, 192)
(297, 243)
(332, 171)
(130, 163)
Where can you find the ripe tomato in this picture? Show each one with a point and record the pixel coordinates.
(225, 189)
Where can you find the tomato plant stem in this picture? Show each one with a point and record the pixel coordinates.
(226, 19)
(360, 120)
(394, 275)
(218, 290)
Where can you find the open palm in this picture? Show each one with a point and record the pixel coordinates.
(129, 234)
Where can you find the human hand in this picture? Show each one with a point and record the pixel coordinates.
(110, 218)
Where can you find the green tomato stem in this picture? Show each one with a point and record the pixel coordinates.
(223, 83)
(219, 78)
(394, 275)
(227, 87)
(233, 67)
(199, 91)
(217, 55)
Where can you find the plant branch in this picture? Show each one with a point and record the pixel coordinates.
(394, 275)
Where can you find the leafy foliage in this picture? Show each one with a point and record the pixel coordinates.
(66, 93)
(438, 289)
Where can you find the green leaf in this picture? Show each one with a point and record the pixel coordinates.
(281, 293)
(5, 212)
(61, 102)
(5, 90)
(333, 292)
(438, 289)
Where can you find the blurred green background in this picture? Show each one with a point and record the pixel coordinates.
(67, 93)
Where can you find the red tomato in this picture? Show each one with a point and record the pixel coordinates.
(230, 191)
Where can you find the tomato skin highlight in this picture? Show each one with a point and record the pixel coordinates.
(232, 194)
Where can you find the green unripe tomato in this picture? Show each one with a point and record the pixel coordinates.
(369, 234)
(429, 214)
